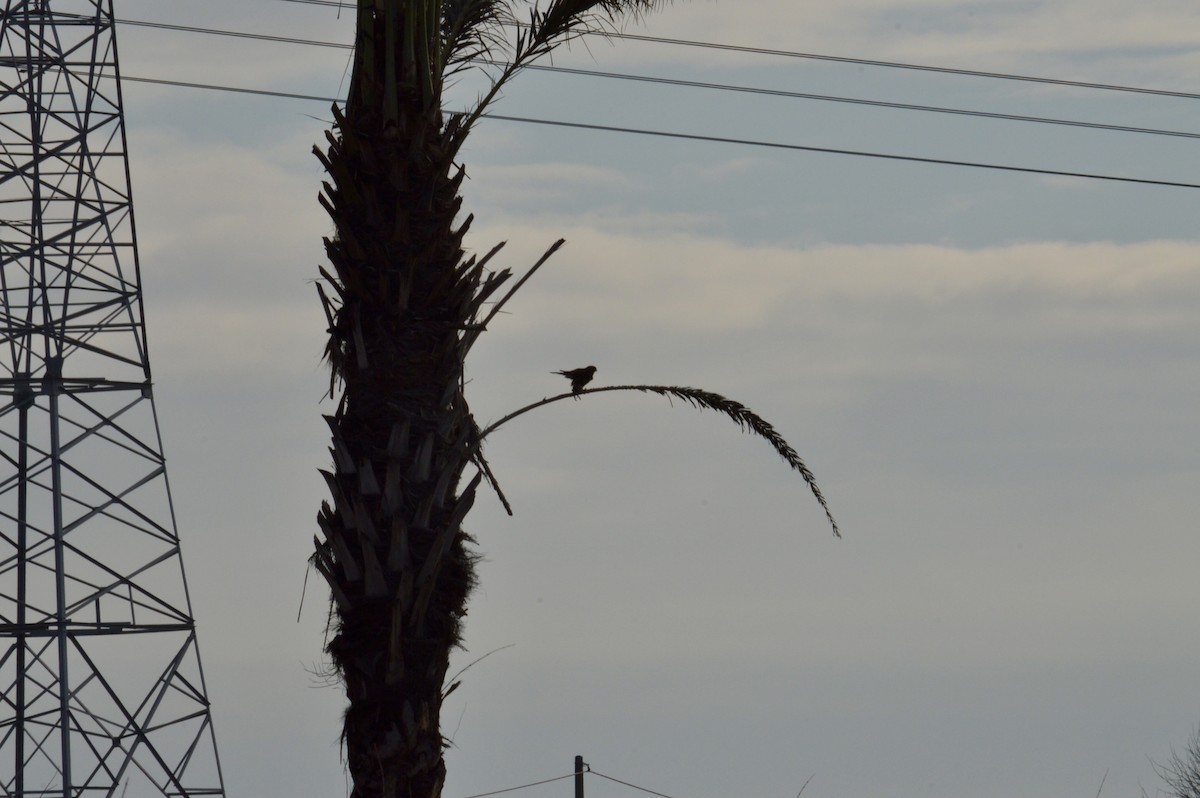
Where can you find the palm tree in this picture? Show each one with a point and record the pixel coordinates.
(404, 306)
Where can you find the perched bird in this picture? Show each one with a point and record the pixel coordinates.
(578, 377)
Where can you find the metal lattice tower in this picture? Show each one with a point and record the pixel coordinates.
(102, 689)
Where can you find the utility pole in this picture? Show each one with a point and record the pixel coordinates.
(579, 766)
(101, 689)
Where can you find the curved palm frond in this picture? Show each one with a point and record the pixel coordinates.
(744, 417)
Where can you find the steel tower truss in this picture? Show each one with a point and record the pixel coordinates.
(102, 689)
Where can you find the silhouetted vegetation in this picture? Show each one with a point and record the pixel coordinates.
(1181, 771)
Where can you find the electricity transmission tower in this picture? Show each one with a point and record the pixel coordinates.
(101, 689)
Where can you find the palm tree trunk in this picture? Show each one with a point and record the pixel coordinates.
(393, 549)
(403, 307)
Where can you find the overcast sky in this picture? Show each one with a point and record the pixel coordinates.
(993, 375)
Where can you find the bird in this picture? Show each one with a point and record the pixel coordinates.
(578, 377)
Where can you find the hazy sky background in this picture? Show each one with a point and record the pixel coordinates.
(993, 375)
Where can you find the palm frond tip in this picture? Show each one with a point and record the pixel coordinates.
(565, 19)
(749, 421)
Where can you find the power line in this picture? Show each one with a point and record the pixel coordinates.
(719, 86)
(233, 33)
(837, 151)
(233, 89)
(720, 139)
(560, 778)
(627, 784)
(522, 787)
(975, 73)
(858, 101)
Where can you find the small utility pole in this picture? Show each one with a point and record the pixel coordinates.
(579, 765)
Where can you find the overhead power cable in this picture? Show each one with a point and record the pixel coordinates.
(837, 151)
(858, 101)
(627, 784)
(233, 33)
(720, 86)
(234, 89)
(720, 139)
(522, 786)
(974, 73)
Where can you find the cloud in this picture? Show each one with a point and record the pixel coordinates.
(694, 283)
(722, 169)
(191, 190)
(1003, 36)
(229, 245)
(1006, 36)
(1005, 431)
(546, 183)
(222, 339)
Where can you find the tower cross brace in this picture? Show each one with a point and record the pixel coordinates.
(101, 687)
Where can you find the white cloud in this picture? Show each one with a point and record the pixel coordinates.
(220, 339)
(691, 282)
(546, 183)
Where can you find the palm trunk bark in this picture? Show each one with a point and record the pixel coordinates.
(392, 546)
(403, 307)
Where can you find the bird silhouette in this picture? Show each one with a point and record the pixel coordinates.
(578, 377)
